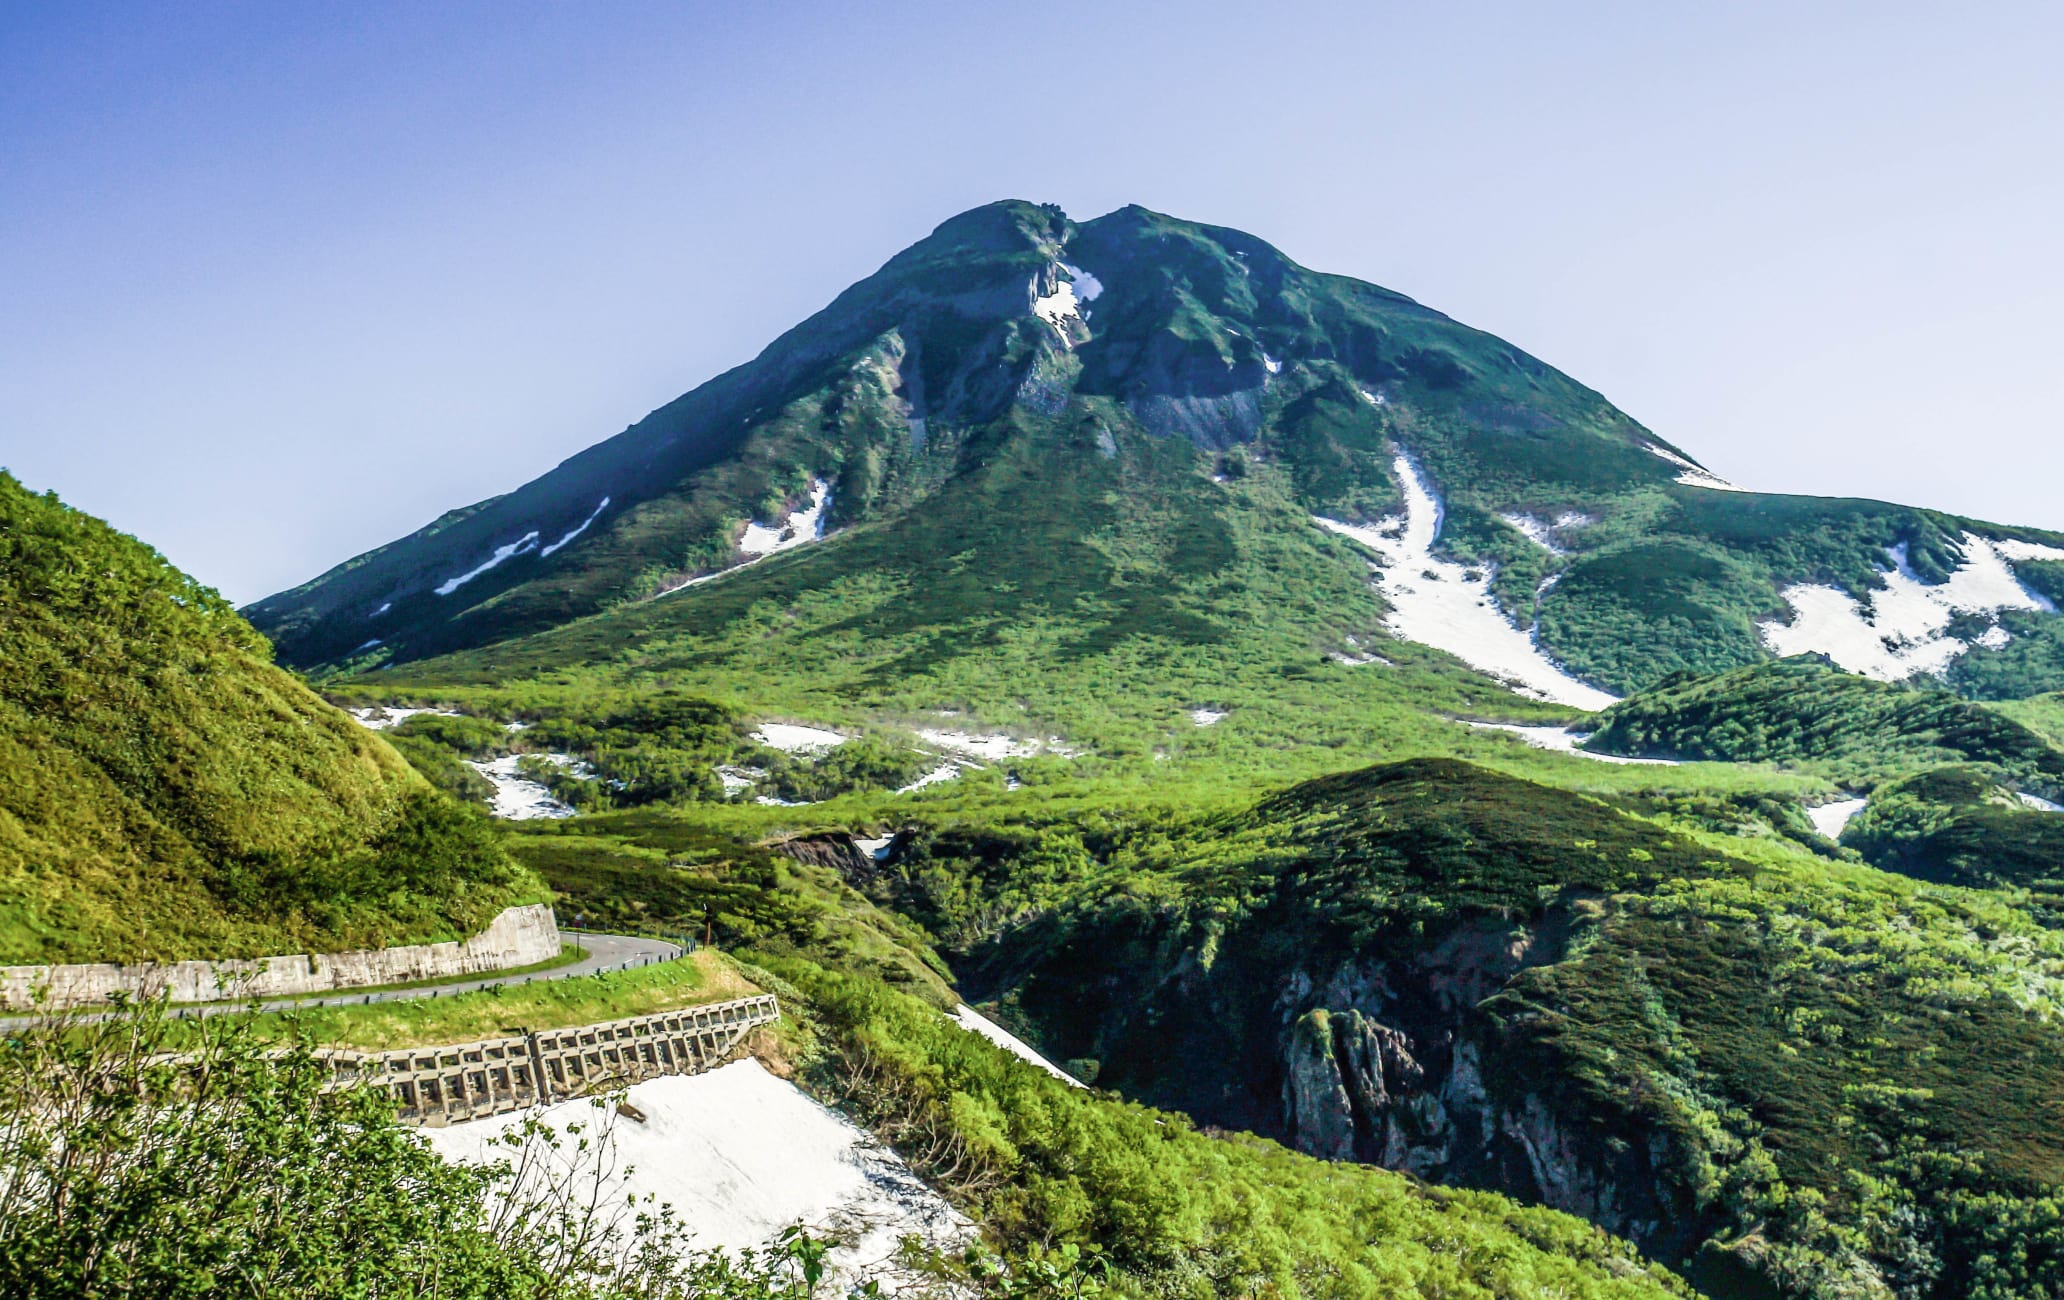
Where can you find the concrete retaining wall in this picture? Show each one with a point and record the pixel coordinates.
(520, 936)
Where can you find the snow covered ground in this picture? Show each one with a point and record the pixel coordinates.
(1208, 717)
(522, 545)
(792, 739)
(1830, 818)
(975, 1022)
(797, 528)
(1564, 741)
(1545, 533)
(945, 771)
(519, 798)
(1906, 629)
(1065, 303)
(993, 748)
(2037, 802)
(794, 529)
(1694, 475)
(741, 1155)
(1448, 606)
(577, 530)
(380, 717)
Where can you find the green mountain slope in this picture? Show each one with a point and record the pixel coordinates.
(1021, 414)
(166, 792)
(1806, 711)
(1755, 1063)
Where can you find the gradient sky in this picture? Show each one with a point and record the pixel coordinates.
(281, 282)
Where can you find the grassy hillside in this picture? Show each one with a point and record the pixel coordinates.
(166, 792)
(1806, 712)
(1492, 984)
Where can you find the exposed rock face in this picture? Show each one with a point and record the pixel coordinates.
(1356, 1087)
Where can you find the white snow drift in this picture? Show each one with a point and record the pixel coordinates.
(1694, 475)
(975, 1022)
(794, 529)
(379, 717)
(1830, 818)
(1449, 606)
(1208, 717)
(741, 1155)
(1906, 629)
(527, 542)
(1075, 287)
(517, 797)
(1564, 741)
(790, 738)
(577, 531)
(758, 541)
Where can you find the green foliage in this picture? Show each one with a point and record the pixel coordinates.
(1177, 1212)
(862, 763)
(166, 792)
(1806, 711)
(235, 1169)
(1956, 825)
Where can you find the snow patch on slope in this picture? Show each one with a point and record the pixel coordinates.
(522, 545)
(2037, 802)
(379, 717)
(1564, 741)
(797, 528)
(1906, 629)
(1545, 533)
(740, 1155)
(517, 797)
(577, 531)
(1694, 475)
(1448, 606)
(975, 1022)
(1208, 717)
(792, 530)
(1830, 818)
(792, 739)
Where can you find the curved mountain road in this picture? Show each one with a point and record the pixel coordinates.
(602, 953)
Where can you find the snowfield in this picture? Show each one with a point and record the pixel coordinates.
(577, 531)
(758, 541)
(1906, 629)
(792, 739)
(1564, 741)
(1694, 475)
(519, 798)
(1437, 602)
(741, 1155)
(993, 748)
(1830, 818)
(523, 544)
(975, 1022)
(945, 771)
(379, 717)
(797, 528)
(1208, 717)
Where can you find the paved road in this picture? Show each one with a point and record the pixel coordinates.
(603, 953)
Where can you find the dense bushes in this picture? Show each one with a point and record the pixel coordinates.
(1182, 1214)
(234, 1171)
(166, 792)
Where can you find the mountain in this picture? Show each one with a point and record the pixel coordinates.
(167, 792)
(1122, 422)
(1280, 703)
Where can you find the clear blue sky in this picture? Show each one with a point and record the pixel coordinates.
(282, 281)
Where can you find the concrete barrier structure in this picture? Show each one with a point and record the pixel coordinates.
(519, 936)
(435, 1086)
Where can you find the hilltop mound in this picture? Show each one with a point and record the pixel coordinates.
(166, 792)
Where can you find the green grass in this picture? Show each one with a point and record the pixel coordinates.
(166, 792)
(702, 976)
